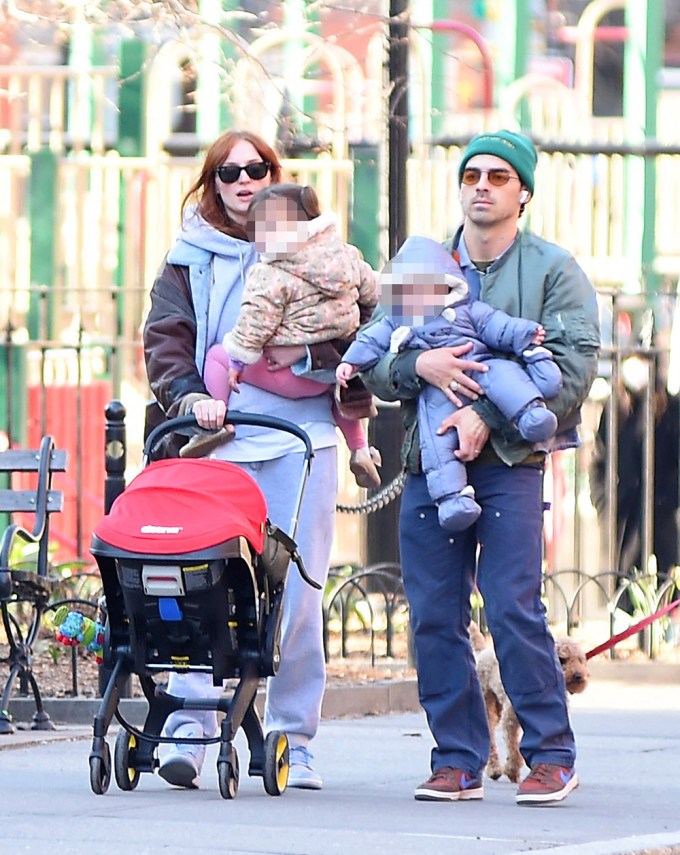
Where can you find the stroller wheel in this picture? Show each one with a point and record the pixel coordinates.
(100, 771)
(228, 775)
(124, 752)
(275, 775)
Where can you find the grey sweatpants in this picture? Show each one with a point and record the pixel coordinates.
(295, 695)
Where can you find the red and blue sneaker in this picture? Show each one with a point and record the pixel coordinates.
(545, 784)
(450, 785)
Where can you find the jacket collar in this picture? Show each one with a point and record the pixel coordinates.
(462, 256)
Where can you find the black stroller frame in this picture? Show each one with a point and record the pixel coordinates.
(232, 599)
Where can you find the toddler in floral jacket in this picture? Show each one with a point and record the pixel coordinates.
(308, 287)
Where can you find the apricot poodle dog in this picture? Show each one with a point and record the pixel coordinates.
(498, 707)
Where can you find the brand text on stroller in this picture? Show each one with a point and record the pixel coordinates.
(161, 529)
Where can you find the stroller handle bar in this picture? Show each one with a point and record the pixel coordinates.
(233, 417)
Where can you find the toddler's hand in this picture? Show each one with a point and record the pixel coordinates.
(235, 379)
(343, 373)
(539, 336)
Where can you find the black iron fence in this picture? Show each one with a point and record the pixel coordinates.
(366, 619)
(47, 386)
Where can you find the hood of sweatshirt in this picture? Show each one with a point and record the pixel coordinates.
(198, 241)
(217, 266)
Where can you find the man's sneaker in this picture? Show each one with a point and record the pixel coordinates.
(450, 785)
(183, 763)
(545, 784)
(300, 772)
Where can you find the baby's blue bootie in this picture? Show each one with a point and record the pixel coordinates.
(537, 423)
(459, 511)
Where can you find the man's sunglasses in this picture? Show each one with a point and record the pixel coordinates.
(231, 173)
(497, 177)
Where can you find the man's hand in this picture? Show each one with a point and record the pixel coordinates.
(284, 355)
(473, 433)
(443, 367)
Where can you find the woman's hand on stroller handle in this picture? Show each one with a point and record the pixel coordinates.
(230, 418)
(210, 413)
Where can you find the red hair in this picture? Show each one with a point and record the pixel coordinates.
(204, 192)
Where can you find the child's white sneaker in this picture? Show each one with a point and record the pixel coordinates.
(183, 763)
(363, 463)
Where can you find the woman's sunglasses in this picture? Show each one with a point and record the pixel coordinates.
(497, 177)
(231, 173)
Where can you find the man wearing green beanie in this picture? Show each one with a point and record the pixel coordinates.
(516, 150)
(525, 276)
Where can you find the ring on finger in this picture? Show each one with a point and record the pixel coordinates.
(454, 385)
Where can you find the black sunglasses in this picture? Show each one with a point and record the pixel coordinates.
(497, 177)
(231, 173)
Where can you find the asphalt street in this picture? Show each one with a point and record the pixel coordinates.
(629, 752)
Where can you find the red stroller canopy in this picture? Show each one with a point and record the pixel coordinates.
(176, 506)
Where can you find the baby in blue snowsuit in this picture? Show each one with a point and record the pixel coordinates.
(421, 267)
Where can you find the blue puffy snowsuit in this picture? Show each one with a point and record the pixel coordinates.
(516, 389)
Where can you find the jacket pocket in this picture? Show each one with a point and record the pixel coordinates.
(577, 329)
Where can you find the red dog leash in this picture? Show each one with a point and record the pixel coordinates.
(636, 627)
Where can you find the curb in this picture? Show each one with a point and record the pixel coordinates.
(352, 701)
(634, 672)
(381, 698)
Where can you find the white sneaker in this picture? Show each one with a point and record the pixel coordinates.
(300, 773)
(183, 763)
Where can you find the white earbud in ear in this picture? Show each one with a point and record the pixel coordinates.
(524, 196)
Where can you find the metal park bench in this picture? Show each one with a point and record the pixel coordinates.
(25, 583)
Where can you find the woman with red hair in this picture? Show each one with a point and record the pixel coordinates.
(195, 301)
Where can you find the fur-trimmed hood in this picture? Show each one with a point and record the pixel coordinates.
(325, 261)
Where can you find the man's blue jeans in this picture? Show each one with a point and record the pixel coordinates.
(503, 552)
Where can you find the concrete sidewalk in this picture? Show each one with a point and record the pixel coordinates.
(628, 733)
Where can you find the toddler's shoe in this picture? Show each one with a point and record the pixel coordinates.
(537, 423)
(460, 511)
(200, 445)
(183, 763)
(543, 370)
(536, 354)
(363, 463)
(355, 401)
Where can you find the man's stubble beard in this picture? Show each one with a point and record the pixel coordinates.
(487, 218)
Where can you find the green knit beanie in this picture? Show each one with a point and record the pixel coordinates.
(516, 149)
